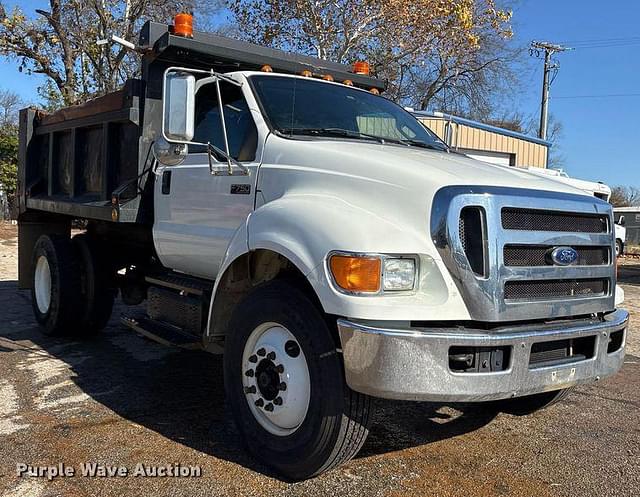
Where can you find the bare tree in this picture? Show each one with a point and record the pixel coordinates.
(10, 104)
(625, 196)
(60, 42)
(429, 51)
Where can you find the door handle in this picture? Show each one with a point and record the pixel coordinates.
(166, 182)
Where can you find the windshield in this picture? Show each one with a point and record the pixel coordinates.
(297, 106)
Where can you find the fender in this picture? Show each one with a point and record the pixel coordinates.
(304, 228)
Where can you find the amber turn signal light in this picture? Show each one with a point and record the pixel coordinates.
(356, 274)
(183, 25)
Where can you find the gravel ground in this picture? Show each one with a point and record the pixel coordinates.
(120, 400)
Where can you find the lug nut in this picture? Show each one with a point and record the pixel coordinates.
(259, 403)
(253, 359)
(280, 368)
(249, 373)
(261, 352)
(268, 407)
(271, 356)
(282, 386)
(251, 389)
(277, 401)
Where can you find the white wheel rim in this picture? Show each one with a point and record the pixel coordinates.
(42, 284)
(272, 356)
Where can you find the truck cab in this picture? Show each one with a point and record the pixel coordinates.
(334, 250)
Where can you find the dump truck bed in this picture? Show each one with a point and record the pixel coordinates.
(74, 161)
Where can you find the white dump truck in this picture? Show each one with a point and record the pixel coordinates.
(280, 210)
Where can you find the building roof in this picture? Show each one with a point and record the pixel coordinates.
(626, 209)
(482, 126)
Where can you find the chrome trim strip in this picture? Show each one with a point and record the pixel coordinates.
(484, 297)
(412, 363)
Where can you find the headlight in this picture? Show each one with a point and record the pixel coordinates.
(371, 273)
(398, 274)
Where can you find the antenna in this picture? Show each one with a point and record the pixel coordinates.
(120, 41)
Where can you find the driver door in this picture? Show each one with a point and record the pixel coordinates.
(196, 212)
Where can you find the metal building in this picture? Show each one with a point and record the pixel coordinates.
(486, 142)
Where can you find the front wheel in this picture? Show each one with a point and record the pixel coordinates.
(619, 248)
(285, 383)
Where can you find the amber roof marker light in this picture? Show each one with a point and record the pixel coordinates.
(361, 67)
(183, 25)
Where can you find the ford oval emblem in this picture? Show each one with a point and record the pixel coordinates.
(564, 256)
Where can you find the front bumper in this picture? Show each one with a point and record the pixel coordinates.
(413, 363)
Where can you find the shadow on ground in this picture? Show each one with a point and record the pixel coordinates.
(180, 395)
(629, 272)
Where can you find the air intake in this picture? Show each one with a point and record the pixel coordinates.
(473, 236)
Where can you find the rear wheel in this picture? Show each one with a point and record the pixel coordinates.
(56, 283)
(523, 406)
(96, 283)
(285, 383)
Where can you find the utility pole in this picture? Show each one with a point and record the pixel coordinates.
(549, 66)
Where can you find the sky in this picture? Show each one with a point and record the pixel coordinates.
(595, 95)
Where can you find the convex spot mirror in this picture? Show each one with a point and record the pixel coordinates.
(169, 154)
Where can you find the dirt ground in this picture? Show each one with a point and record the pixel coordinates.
(118, 399)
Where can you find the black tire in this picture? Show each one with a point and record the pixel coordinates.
(529, 404)
(96, 284)
(337, 420)
(60, 317)
(619, 247)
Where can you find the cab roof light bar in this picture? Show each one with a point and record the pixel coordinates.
(226, 54)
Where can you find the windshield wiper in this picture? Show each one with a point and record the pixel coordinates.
(430, 146)
(331, 132)
(348, 133)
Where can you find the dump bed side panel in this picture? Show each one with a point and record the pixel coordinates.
(82, 161)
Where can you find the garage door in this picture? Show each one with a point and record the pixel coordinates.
(498, 158)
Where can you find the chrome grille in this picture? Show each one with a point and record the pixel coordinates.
(521, 228)
(546, 220)
(554, 289)
(528, 255)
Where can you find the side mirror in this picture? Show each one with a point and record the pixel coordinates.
(621, 221)
(178, 106)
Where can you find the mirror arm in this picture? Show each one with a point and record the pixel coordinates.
(211, 149)
(224, 126)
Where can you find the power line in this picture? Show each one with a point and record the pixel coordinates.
(603, 42)
(610, 95)
(599, 40)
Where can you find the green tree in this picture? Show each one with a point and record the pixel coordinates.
(10, 103)
(8, 158)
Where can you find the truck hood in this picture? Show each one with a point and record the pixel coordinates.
(407, 168)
